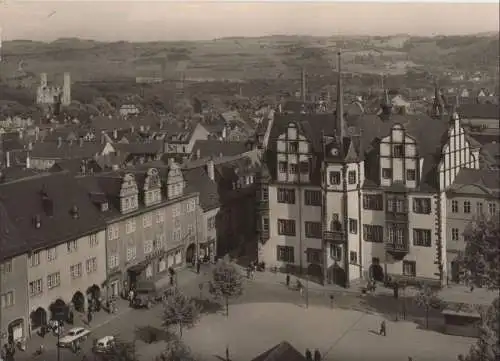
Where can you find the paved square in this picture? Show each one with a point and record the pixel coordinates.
(338, 334)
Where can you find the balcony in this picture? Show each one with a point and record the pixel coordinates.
(262, 205)
(397, 247)
(263, 235)
(396, 217)
(334, 236)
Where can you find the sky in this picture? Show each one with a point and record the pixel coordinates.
(189, 20)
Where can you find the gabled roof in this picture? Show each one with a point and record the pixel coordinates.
(281, 352)
(23, 201)
(65, 150)
(485, 179)
(198, 180)
(482, 111)
(217, 148)
(74, 166)
(150, 147)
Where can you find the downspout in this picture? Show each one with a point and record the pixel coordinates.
(345, 223)
(360, 224)
(299, 228)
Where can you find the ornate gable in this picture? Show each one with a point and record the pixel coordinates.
(129, 194)
(152, 187)
(175, 181)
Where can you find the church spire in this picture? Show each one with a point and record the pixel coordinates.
(438, 106)
(340, 102)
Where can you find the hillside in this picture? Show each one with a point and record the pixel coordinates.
(248, 58)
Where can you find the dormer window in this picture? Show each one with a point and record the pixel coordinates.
(104, 206)
(37, 221)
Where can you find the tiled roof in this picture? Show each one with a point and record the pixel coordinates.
(23, 201)
(74, 166)
(10, 142)
(281, 352)
(483, 111)
(198, 180)
(151, 147)
(65, 150)
(488, 180)
(216, 148)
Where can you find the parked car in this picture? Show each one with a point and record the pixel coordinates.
(104, 344)
(74, 335)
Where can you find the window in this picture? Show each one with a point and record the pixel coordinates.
(285, 254)
(398, 151)
(190, 230)
(396, 205)
(130, 226)
(479, 208)
(313, 229)
(373, 233)
(353, 257)
(176, 211)
(36, 287)
(294, 168)
(91, 265)
(286, 196)
(176, 235)
(351, 177)
(147, 220)
(113, 261)
(304, 167)
(312, 198)
(454, 206)
(6, 267)
(422, 237)
(374, 202)
(191, 205)
(160, 216)
(286, 227)
(466, 207)
(51, 254)
(177, 223)
(93, 240)
(293, 147)
(353, 226)
(336, 252)
(335, 178)
(131, 253)
(265, 224)
(422, 205)
(159, 241)
(113, 232)
(283, 167)
(148, 246)
(411, 174)
(53, 280)
(76, 270)
(409, 268)
(492, 209)
(34, 259)
(211, 223)
(265, 193)
(386, 173)
(313, 256)
(72, 246)
(455, 235)
(7, 299)
(149, 271)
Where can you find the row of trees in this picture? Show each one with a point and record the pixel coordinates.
(181, 312)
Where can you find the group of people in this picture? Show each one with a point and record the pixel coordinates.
(316, 356)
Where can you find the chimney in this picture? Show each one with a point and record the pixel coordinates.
(340, 101)
(115, 134)
(7, 159)
(59, 142)
(198, 153)
(303, 83)
(210, 169)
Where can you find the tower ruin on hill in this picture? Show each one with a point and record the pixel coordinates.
(52, 95)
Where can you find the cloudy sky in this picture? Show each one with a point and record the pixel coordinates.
(168, 20)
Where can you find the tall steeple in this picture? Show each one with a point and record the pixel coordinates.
(438, 106)
(340, 124)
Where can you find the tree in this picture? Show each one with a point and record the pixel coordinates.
(181, 311)
(176, 350)
(487, 347)
(480, 260)
(226, 283)
(427, 298)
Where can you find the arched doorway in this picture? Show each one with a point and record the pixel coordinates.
(38, 318)
(455, 271)
(337, 275)
(93, 297)
(78, 301)
(315, 272)
(16, 329)
(58, 310)
(376, 272)
(190, 253)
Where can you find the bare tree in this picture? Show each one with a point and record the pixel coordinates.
(226, 283)
(427, 299)
(481, 259)
(181, 311)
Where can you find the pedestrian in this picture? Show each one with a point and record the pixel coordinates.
(382, 329)
(317, 355)
(288, 280)
(472, 288)
(308, 355)
(198, 265)
(89, 317)
(410, 358)
(131, 297)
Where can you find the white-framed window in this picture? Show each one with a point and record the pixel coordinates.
(34, 259)
(147, 220)
(336, 252)
(36, 287)
(454, 206)
(53, 280)
(7, 299)
(492, 209)
(51, 254)
(148, 246)
(211, 223)
(455, 234)
(131, 252)
(159, 241)
(130, 226)
(149, 271)
(91, 265)
(76, 270)
(6, 267)
(113, 261)
(160, 216)
(93, 240)
(113, 232)
(191, 205)
(190, 230)
(72, 246)
(176, 211)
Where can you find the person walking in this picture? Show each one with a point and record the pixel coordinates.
(308, 355)
(383, 331)
(198, 265)
(288, 280)
(317, 355)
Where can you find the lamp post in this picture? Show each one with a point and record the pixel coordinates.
(58, 339)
